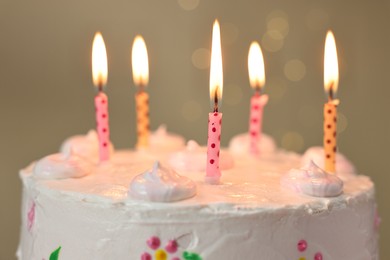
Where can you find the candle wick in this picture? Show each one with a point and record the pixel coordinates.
(100, 86)
(216, 100)
(258, 91)
(331, 93)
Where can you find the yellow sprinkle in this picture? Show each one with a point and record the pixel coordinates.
(162, 255)
(302, 258)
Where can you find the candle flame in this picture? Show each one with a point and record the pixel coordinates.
(256, 66)
(331, 66)
(216, 74)
(99, 61)
(140, 62)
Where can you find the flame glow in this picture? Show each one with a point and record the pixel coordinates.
(140, 62)
(331, 66)
(99, 61)
(216, 74)
(256, 66)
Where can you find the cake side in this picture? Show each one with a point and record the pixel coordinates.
(249, 216)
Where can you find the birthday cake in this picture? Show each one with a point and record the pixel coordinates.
(155, 204)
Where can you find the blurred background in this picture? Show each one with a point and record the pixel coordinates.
(47, 92)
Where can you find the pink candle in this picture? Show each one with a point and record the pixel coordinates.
(99, 75)
(101, 105)
(213, 173)
(255, 121)
(258, 101)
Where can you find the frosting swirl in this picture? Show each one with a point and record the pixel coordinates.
(313, 181)
(84, 145)
(344, 168)
(240, 144)
(194, 158)
(163, 141)
(62, 166)
(161, 184)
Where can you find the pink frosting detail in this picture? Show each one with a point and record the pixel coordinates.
(31, 216)
(377, 220)
(318, 256)
(255, 121)
(171, 247)
(213, 173)
(154, 242)
(176, 258)
(101, 104)
(146, 256)
(302, 245)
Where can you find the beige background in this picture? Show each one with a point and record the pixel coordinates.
(47, 95)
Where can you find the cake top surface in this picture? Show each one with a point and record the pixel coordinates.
(252, 183)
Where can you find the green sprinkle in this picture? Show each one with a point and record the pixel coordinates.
(191, 256)
(55, 254)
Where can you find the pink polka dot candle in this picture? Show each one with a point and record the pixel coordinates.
(213, 172)
(99, 75)
(258, 101)
(331, 80)
(140, 66)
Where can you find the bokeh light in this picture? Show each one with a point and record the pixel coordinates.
(201, 58)
(229, 33)
(317, 19)
(272, 41)
(294, 70)
(191, 111)
(188, 5)
(292, 141)
(276, 88)
(342, 123)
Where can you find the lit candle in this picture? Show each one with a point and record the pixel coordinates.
(213, 173)
(99, 75)
(258, 101)
(331, 81)
(140, 66)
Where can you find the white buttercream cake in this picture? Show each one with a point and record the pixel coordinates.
(133, 207)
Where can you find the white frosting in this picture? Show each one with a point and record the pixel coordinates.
(163, 141)
(194, 158)
(240, 144)
(313, 181)
(247, 216)
(84, 145)
(161, 184)
(344, 168)
(60, 166)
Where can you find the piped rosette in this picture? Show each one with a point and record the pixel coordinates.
(313, 181)
(62, 166)
(161, 184)
(194, 158)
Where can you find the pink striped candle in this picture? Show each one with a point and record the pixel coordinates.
(213, 173)
(258, 101)
(99, 75)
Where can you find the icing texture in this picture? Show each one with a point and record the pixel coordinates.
(61, 166)
(313, 181)
(344, 168)
(84, 145)
(163, 141)
(240, 144)
(194, 158)
(162, 184)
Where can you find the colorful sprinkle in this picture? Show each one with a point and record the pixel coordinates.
(154, 243)
(55, 254)
(171, 247)
(191, 256)
(146, 256)
(302, 245)
(318, 256)
(161, 255)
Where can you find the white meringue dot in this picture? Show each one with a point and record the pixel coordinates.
(229, 33)
(201, 58)
(317, 19)
(294, 70)
(292, 141)
(191, 111)
(232, 95)
(272, 41)
(188, 5)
